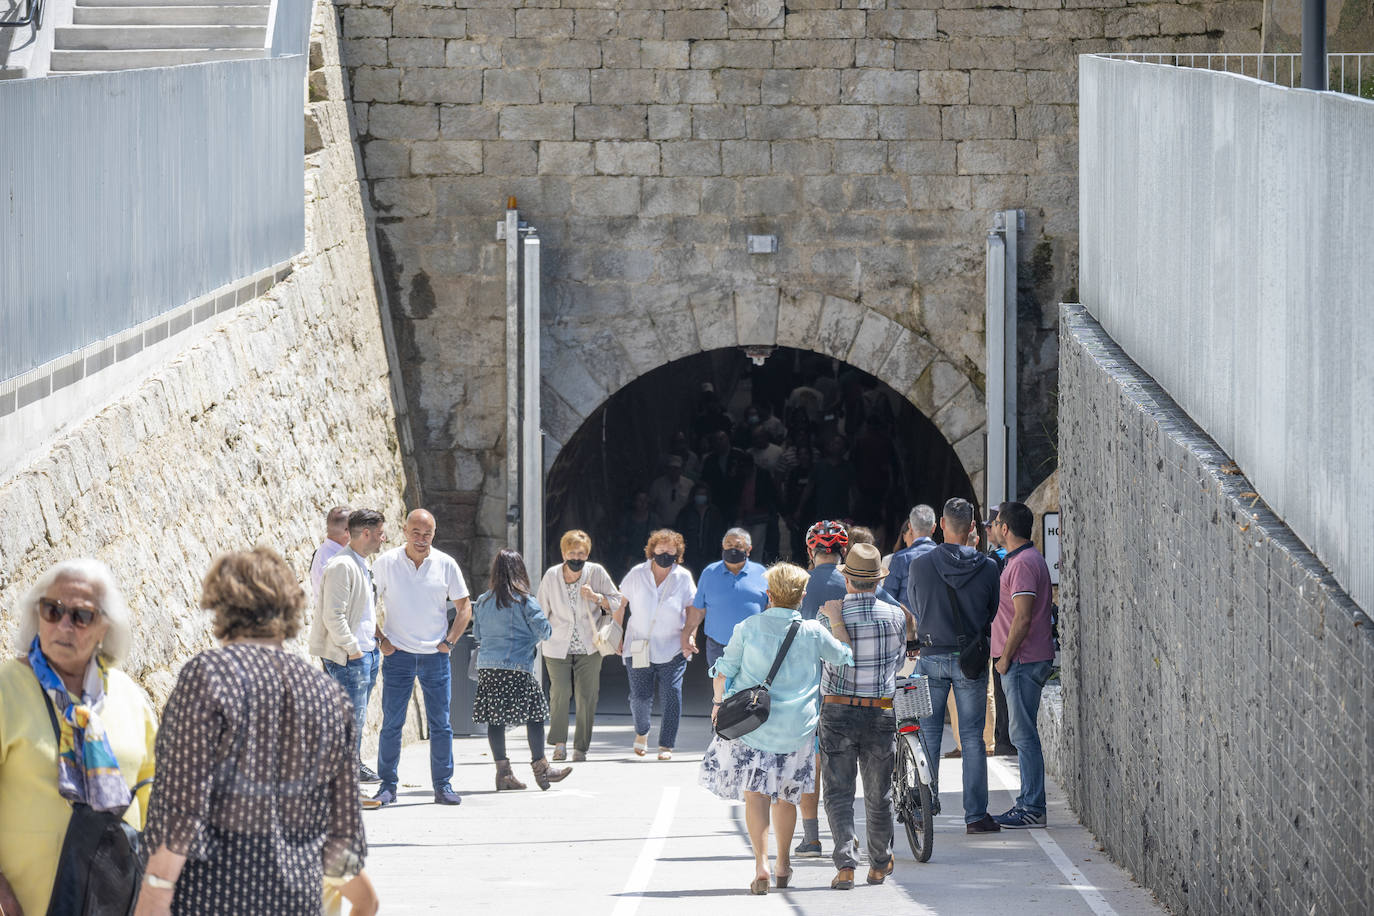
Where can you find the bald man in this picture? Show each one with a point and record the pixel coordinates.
(415, 585)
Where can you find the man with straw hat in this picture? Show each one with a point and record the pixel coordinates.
(858, 727)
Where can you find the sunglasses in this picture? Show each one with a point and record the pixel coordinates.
(53, 611)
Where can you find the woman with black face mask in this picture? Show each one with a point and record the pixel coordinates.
(577, 596)
(658, 591)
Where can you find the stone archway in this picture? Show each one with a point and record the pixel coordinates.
(579, 377)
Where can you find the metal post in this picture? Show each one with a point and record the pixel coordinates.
(1011, 222)
(531, 450)
(1314, 45)
(995, 326)
(512, 234)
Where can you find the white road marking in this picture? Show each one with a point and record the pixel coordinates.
(643, 869)
(1077, 880)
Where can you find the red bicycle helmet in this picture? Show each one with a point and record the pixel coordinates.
(827, 535)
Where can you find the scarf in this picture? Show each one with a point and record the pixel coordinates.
(87, 770)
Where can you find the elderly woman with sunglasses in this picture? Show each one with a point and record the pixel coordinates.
(73, 728)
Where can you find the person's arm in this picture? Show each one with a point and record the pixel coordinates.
(344, 842)
(337, 593)
(834, 651)
(696, 613)
(1024, 603)
(361, 895)
(539, 621)
(832, 616)
(463, 609)
(718, 687)
(163, 866)
(8, 901)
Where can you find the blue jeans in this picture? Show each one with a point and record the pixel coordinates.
(1022, 684)
(357, 678)
(668, 677)
(858, 742)
(399, 671)
(970, 699)
(714, 650)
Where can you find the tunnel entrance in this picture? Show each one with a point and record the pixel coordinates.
(829, 441)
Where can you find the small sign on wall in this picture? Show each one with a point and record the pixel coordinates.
(1050, 538)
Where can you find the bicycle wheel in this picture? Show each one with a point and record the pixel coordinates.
(916, 807)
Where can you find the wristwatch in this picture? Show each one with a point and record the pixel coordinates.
(161, 884)
(451, 645)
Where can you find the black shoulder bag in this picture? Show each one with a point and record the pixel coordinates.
(748, 709)
(974, 651)
(99, 870)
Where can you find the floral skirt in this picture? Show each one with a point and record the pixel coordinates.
(731, 768)
(507, 697)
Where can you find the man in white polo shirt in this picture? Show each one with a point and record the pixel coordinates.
(336, 539)
(415, 585)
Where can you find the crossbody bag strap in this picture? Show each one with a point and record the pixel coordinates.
(782, 652)
(52, 716)
(959, 621)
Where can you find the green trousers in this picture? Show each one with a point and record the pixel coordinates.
(580, 676)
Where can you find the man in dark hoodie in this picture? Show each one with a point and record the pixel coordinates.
(954, 571)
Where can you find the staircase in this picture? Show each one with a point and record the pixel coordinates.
(126, 34)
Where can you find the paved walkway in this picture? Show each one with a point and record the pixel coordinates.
(624, 835)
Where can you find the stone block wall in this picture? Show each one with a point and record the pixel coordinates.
(247, 438)
(644, 140)
(1218, 709)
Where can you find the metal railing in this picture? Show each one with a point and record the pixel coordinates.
(34, 17)
(1352, 74)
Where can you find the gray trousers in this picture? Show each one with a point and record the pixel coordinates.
(580, 676)
(858, 742)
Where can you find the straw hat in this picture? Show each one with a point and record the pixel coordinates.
(863, 564)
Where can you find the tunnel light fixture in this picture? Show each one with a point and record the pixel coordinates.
(763, 244)
(758, 355)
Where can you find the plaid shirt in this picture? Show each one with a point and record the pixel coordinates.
(877, 633)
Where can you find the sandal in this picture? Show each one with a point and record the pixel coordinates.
(641, 745)
(665, 753)
(843, 880)
(758, 886)
(783, 880)
(560, 752)
(876, 875)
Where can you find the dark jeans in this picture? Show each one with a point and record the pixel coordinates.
(358, 677)
(534, 733)
(668, 678)
(714, 650)
(399, 671)
(858, 742)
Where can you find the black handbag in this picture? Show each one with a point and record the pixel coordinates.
(973, 651)
(746, 710)
(99, 871)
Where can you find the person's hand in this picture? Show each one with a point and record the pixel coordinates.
(1003, 665)
(444, 647)
(620, 649)
(8, 901)
(591, 594)
(355, 656)
(833, 609)
(385, 645)
(689, 645)
(361, 895)
(152, 901)
(913, 653)
(715, 708)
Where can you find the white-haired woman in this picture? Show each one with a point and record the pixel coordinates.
(73, 635)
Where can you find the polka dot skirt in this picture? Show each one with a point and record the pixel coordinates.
(506, 697)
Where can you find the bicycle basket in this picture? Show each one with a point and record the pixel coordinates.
(912, 699)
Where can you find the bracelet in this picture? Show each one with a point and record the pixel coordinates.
(717, 702)
(161, 884)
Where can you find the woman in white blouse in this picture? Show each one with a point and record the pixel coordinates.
(658, 592)
(577, 596)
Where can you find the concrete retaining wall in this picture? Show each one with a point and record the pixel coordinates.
(1216, 730)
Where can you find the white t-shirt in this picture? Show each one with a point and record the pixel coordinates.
(327, 551)
(417, 599)
(657, 612)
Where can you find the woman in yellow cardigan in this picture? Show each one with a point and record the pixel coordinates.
(73, 633)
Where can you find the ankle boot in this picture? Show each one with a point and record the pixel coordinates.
(546, 775)
(505, 779)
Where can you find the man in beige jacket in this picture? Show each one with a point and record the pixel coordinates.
(344, 631)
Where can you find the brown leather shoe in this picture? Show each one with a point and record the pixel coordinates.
(843, 880)
(876, 875)
(545, 775)
(505, 779)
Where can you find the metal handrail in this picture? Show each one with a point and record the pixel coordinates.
(34, 17)
(1350, 74)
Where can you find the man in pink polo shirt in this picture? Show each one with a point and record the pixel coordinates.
(1024, 651)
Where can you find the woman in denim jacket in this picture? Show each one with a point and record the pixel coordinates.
(508, 625)
(775, 763)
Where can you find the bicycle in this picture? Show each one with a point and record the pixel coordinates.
(912, 777)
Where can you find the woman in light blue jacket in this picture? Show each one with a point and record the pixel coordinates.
(770, 767)
(508, 625)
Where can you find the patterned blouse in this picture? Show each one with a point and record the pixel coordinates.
(257, 784)
(576, 644)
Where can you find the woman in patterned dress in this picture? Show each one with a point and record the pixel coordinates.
(508, 625)
(255, 810)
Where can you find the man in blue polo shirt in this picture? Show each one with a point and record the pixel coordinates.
(728, 591)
